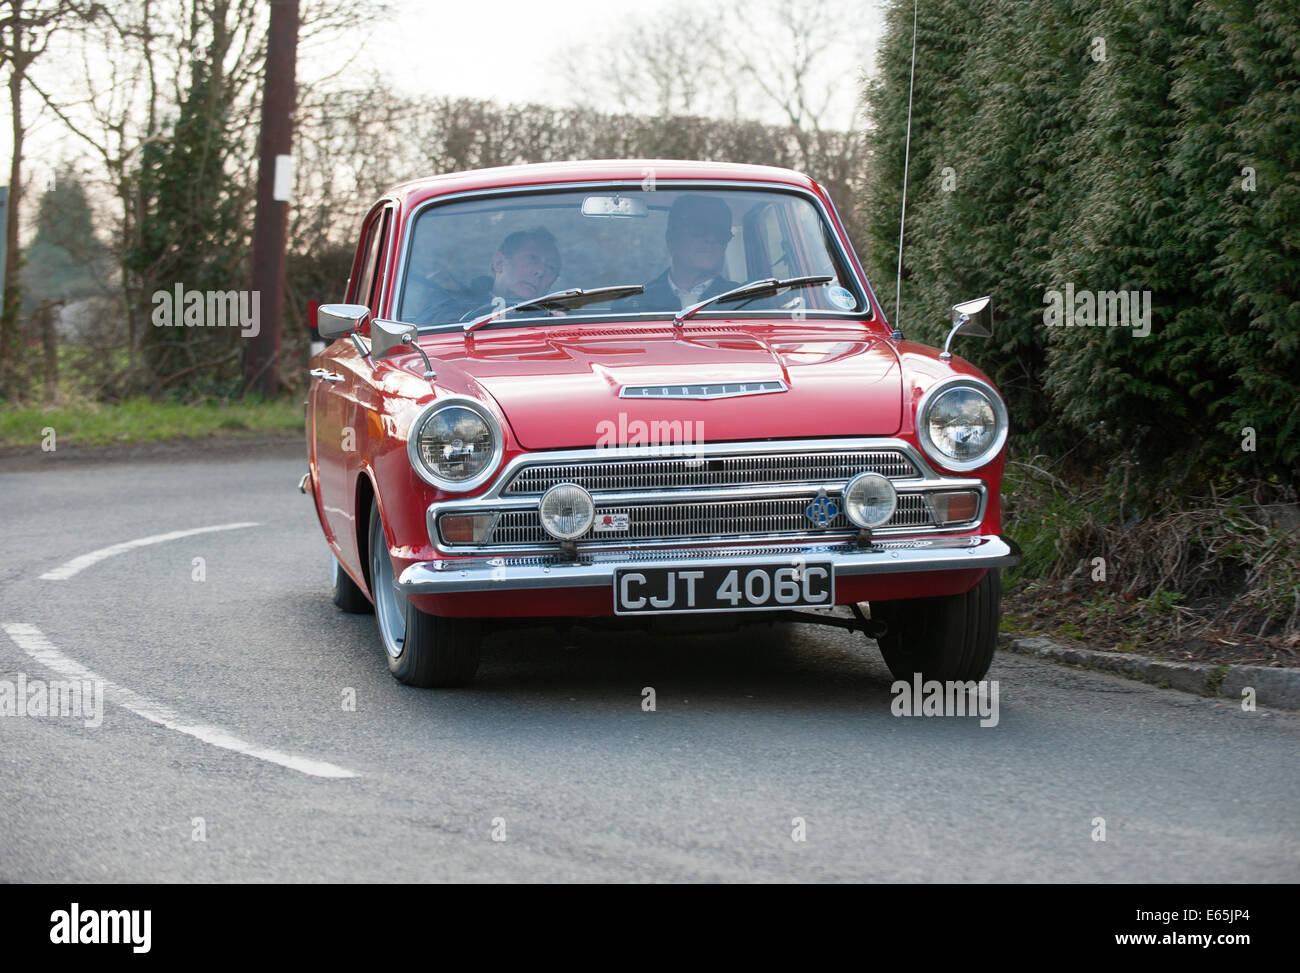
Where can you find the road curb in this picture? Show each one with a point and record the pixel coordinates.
(1278, 688)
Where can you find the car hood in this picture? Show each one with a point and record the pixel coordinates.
(560, 387)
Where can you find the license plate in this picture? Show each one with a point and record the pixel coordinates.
(639, 591)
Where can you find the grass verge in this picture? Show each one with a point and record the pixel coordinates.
(1208, 579)
(143, 420)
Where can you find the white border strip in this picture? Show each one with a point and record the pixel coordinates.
(32, 641)
(78, 564)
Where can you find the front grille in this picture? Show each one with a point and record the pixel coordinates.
(688, 472)
(704, 519)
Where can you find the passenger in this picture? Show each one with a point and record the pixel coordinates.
(699, 229)
(524, 266)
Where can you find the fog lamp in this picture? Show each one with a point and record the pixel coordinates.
(869, 500)
(567, 511)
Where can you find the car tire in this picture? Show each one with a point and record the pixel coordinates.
(346, 595)
(422, 650)
(946, 638)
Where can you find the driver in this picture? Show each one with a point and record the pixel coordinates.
(524, 266)
(699, 229)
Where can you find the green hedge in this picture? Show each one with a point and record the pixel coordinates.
(1146, 147)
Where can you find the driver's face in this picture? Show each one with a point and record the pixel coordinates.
(527, 273)
(700, 251)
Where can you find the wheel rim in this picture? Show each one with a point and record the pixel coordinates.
(390, 607)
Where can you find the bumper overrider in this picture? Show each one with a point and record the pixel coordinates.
(597, 568)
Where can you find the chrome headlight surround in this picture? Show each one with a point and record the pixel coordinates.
(932, 395)
(428, 475)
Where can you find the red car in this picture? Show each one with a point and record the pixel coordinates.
(615, 391)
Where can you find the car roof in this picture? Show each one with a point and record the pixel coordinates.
(637, 170)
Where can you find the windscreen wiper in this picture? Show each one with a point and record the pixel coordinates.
(754, 289)
(574, 297)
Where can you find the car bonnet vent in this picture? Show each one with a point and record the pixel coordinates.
(701, 390)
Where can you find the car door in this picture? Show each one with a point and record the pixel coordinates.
(339, 422)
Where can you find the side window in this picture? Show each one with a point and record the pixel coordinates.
(368, 280)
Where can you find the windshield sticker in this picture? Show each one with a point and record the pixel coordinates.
(842, 298)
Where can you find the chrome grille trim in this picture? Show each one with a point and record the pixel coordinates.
(707, 519)
(707, 470)
(754, 460)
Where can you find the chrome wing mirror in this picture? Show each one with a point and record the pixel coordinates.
(340, 320)
(391, 338)
(974, 318)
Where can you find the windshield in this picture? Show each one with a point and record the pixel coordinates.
(471, 258)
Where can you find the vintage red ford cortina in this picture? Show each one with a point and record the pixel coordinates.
(613, 392)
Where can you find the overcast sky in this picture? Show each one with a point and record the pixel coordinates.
(429, 46)
(507, 50)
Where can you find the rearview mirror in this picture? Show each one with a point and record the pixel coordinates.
(340, 320)
(610, 206)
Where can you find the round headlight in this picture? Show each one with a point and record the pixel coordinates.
(455, 444)
(567, 511)
(869, 500)
(962, 425)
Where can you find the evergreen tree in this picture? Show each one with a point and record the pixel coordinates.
(995, 89)
(193, 230)
(1237, 89)
(1142, 146)
(65, 260)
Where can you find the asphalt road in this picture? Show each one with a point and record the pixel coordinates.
(551, 750)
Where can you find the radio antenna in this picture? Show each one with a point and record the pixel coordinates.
(907, 154)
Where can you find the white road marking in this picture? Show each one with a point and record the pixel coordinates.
(79, 564)
(32, 641)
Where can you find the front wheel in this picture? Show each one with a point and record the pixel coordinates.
(345, 593)
(952, 637)
(422, 650)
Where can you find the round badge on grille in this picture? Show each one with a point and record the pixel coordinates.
(822, 510)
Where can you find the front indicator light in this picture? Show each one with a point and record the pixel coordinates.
(465, 528)
(955, 507)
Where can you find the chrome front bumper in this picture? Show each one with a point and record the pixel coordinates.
(597, 568)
